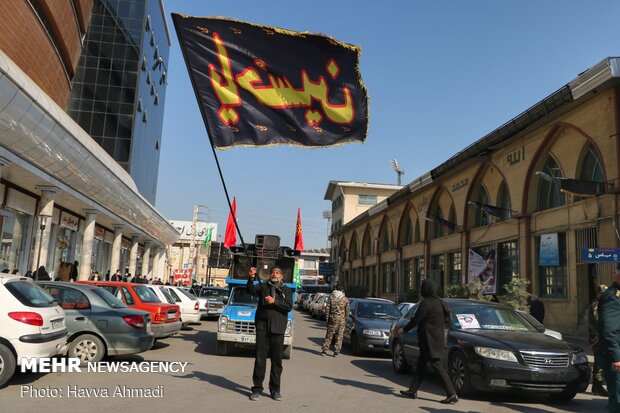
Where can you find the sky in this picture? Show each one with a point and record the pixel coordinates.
(440, 75)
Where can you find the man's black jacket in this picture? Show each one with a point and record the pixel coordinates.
(271, 317)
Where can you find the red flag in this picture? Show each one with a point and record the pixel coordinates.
(230, 238)
(299, 239)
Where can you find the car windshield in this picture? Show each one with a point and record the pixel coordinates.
(146, 295)
(240, 296)
(209, 292)
(29, 294)
(377, 310)
(187, 294)
(486, 317)
(110, 300)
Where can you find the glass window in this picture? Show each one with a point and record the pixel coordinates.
(503, 201)
(70, 299)
(591, 169)
(479, 215)
(377, 310)
(366, 199)
(549, 194)
(455, 267)
(436, 229)
(240, 296)
(508, 263)
(386, 277)
(29, 294)
(437, 268)
(554, 280)
(128, 297)
(407, 271)
(111, 300)
(145, 295)
(407, 235)
(15, 230)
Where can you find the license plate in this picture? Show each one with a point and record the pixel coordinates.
(148, 327)
(171, 316)
(56, 324)
(248, 339)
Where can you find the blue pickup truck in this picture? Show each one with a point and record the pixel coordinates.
(235, 326)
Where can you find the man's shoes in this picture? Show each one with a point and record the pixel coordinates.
(254, 396)
(323, 353)
(450, 400)
(276, 396)
(599, 390)
(335, 354)
(409, 393)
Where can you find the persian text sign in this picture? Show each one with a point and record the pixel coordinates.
(260, 85)
(601, 254)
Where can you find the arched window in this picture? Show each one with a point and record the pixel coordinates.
(385, 243)
(406, 236)
(549, 194)
(436, 229)
(591, 169)
(367, 246)
(452, 220)
(503, 201)
(354, 251)
(479, 217)
(416, 233)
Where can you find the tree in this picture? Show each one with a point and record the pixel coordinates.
(516, 293)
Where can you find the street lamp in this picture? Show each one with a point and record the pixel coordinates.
(544, 175)
(327, 214)
(42, 224)
(396, 167)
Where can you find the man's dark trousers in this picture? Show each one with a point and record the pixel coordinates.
(612, 378)
(268, 345)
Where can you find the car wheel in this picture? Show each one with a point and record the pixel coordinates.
(399, 361)
(221, 348)
(88, 348)
(286, 354)
(355, 345)
(564, 396)
(7, 364)
(460, 375)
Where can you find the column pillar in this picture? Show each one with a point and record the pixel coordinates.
(157, 273)
(133, 255)
(43, 227)
(115, 263)
(85, 268)
(146, 258)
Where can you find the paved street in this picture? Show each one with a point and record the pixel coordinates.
(310, 383)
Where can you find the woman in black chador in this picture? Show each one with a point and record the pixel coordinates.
(430, 318)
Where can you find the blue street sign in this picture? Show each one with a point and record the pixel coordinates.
(601, 254)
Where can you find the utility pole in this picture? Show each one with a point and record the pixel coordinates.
(192, 246)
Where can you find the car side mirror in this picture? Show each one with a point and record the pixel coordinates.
(225, 300)
(540, 328)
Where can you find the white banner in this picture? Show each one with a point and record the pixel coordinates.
(185, 230)
(69, 221)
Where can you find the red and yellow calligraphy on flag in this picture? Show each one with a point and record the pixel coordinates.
(261, 85)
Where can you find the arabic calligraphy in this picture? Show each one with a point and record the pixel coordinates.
(276, 92)
(516, 156)
(460, 184)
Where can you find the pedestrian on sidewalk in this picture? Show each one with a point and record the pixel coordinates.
(609, 340)
(598, 378)
(336, 314)
(431, 318)
(275, 300)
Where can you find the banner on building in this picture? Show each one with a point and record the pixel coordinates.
(549, 253)
(69, 221)
(261, 85)
(182, 276)
(601, 254)
(483, 269)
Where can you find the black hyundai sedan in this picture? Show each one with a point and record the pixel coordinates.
(490, 347)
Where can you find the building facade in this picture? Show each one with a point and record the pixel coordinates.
(190, 253)
(62, 197)
(119, 88)
(550, 173)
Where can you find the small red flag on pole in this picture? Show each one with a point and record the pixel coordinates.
(230, 237)
(299, 239)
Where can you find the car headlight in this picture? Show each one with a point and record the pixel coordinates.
(579, 358)
(223, 321)
(289, 328)
(372, 333)
(496, 354)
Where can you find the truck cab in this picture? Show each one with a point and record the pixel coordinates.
(236, 327)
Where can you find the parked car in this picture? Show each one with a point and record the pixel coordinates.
(368, 324)
(190, 307)
(490, 347)
(300, 300)
(308, 301)
(404, 307)
(319, 307)
(538, 325)
(32, 324)
(211, 301)
(165, 318)
(99, 324)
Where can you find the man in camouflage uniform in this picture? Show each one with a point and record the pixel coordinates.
(598, 379)
(336, 314)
